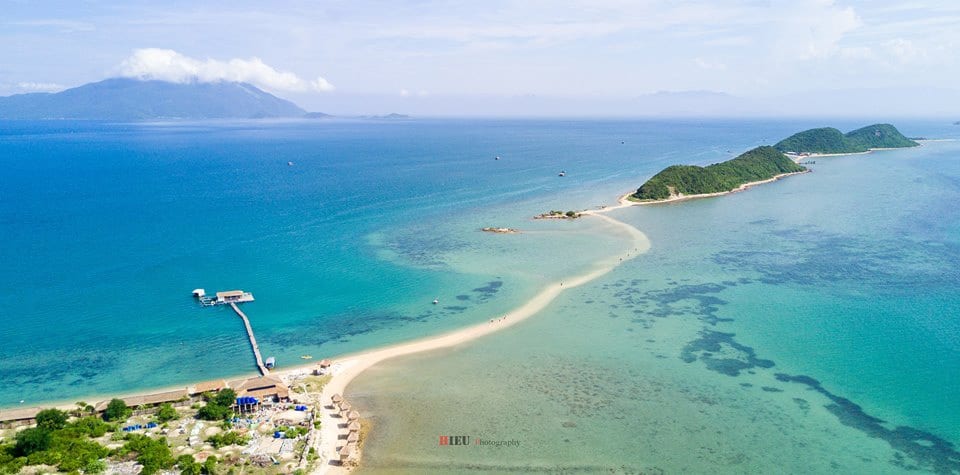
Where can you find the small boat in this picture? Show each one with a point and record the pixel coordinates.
(497, 157)
(271, 362)
(289, 164)
(306, 357)
(562, 173)
(436, 301)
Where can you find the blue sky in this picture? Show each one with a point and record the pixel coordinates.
(353, 55)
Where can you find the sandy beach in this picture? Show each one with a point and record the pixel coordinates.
(349, 367)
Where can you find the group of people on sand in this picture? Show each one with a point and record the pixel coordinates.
(504, 317)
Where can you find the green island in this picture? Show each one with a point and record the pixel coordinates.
(766, 162)
(830, 140)
(761, 163)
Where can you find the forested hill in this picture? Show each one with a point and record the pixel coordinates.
(830, 140)
(759, 164)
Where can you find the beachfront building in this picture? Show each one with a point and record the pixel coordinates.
(264, 388)
(207, 387)
(177, 397)
(233, 296)
(18, 417)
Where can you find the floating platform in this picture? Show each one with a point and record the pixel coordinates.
(223, 298)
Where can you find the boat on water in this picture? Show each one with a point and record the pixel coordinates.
(436, 301)
(306, 357)
(270, 363)
(562, 173)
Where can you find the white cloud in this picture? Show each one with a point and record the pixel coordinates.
(404, 92)
(169, 65)
(40, 86)
(815, 29)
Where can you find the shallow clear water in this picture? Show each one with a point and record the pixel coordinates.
(844, 280)
(804, 326)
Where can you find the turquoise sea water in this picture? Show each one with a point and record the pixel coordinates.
(844, 280)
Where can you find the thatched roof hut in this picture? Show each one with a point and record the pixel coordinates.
(345, 452)
(353, 415)
(354, 426)
(208, 386)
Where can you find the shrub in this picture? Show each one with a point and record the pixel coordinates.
(227, 438)
(117, 410)
(30, 441)
(210, 465)
(188, 466)
(51, 419)
(167, 413)
(214, 412)
(153, 454)
(89, 426)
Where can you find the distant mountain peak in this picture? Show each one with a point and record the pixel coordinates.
(139, 99)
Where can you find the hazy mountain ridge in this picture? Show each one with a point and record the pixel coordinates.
(133, 99)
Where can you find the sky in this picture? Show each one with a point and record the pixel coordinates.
(494, 56)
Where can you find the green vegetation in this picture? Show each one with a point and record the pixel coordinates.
(52, 419)
(117, 410)
(166, 413)
(153, 454)
(210, 465)
(227, 438)
(758, 164)
(187, 465)
(218, 406)
(879, 136)
(55, 442)
(830, 140)
(32, 440)
(293, 432)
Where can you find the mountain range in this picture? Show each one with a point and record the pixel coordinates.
(134, 99)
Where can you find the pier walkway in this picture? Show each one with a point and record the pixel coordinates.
(253, 340)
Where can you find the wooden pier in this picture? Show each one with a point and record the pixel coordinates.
(253, 340)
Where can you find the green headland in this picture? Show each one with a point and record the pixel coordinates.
(761, 163)
(830, 140)
(766, 162)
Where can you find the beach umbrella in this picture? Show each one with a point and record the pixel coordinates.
(325, 363)
(354, 415)
(354, 426)
(345, 406)
(345, 452)
(336, 398)
(353, 437)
